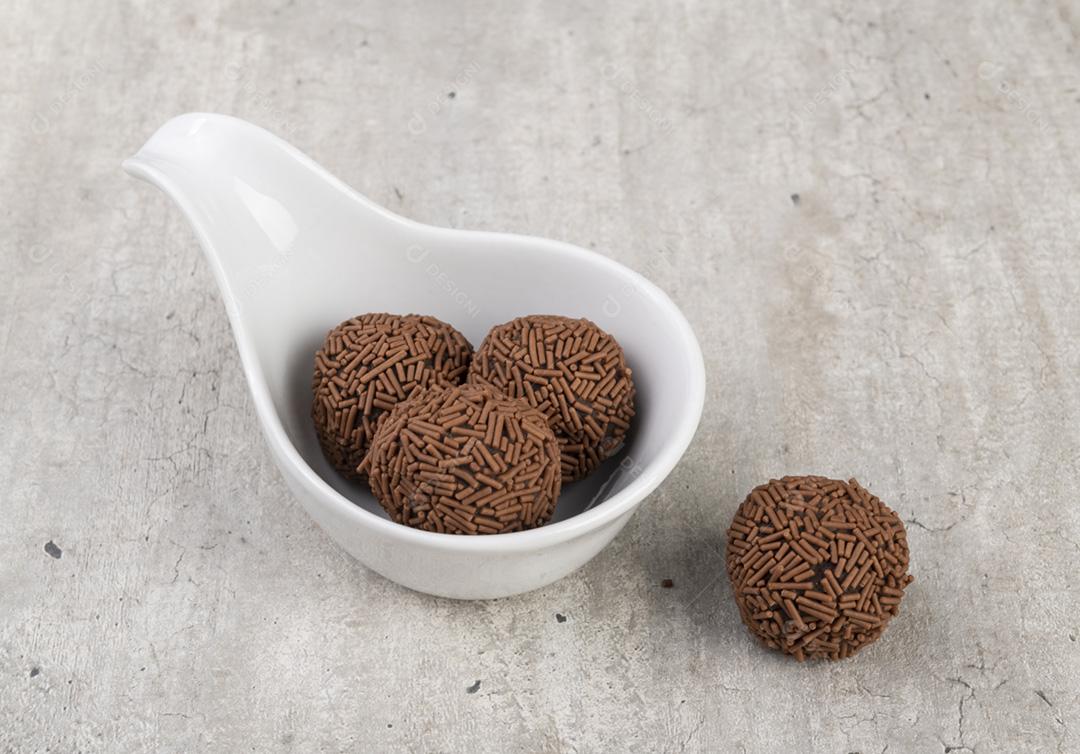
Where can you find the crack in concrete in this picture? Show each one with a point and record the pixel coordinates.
(935, 530)
(694, 732)
(868, 692)
(1050, 704)
(961, 734)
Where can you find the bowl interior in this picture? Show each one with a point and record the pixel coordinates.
(357, 261)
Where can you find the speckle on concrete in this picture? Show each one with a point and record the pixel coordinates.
(914, 322)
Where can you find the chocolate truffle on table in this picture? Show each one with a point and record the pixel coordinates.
(818, 566)
(366, 366)
(465, 460)
(572, 371)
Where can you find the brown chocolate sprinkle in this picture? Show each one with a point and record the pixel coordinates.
(572, 371)
(465, 460)
(366, 366)
(818, 565)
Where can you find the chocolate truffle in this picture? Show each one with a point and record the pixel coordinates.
(369, 363)
(818, 566)
(465, 460)
(572, 371)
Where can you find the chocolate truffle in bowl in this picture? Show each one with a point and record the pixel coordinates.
(571, 370)
(370, 363)
(818, 566)
(465, 460)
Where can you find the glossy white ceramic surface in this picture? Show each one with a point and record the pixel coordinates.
(295, 251)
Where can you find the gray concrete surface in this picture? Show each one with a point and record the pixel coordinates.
(868, 213)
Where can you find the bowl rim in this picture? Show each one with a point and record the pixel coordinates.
(142, 165)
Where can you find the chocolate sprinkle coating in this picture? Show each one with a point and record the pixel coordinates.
(572, 371)
(465, 460)
(818, 565)
(366, 366)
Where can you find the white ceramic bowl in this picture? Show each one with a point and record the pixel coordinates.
(295, 252)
